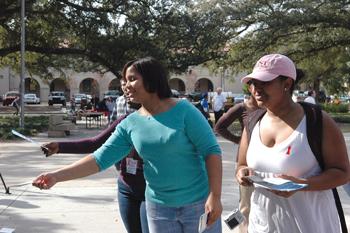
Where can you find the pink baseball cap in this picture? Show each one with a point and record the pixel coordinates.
(270, 67)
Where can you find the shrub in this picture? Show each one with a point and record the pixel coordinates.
(335, 108)
(32, 125)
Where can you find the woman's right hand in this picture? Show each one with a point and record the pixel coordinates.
(50, 148)
(241, 175)
(45, 181)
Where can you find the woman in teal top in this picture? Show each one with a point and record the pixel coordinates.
(182, 162)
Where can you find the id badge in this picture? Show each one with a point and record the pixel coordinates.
(131, 166)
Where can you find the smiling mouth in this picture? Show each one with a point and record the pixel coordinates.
(259, 97)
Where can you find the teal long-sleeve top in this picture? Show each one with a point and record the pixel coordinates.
(173, 145)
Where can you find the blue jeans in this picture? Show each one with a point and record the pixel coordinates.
(132, 208)
(185, 219)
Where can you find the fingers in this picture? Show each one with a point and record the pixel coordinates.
(214, 208)
(46, 151)
(292, 178)
(43, 181)
(242, 175)
(284, 194)
(213, 216)
(50, 148)
(39, 181)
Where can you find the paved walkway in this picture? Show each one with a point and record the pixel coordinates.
(85, 205)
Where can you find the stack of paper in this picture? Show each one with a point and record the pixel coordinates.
(275, 183)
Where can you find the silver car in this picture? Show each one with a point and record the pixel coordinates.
(31, 98)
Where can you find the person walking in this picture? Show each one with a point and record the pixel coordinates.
(182, 159)
(110, 105)
(310, 97)
(240, 113)
(218, 104)
(278, 146)
(16, 103)
(121, 106)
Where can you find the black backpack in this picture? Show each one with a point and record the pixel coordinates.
(314, 135)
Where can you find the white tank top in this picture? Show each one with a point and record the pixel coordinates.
(304, 211)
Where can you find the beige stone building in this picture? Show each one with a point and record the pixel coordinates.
(197, 78)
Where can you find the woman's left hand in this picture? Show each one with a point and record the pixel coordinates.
(214, 208)
(287, 194)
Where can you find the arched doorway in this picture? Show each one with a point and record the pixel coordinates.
(89, 86)
(203, 85)
(115, 85)
(177, 84)
(31, 86)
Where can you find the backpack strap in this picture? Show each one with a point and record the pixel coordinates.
(253, 118)
(314, 130)
(314, 136)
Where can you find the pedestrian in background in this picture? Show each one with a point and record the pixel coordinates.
(121, 106)
(239, 112)
(218, 102)
(310, 97)
(182, 159)
(110, 105)
(279, 146)
(16, 103)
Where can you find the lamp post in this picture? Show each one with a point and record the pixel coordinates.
(21, 85)
(223, 74)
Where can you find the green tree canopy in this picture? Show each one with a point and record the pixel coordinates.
(104, 34)
(314, 33)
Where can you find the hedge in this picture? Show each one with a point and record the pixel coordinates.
(32, 126)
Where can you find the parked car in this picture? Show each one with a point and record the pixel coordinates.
(238, 98)
(57, 97)
(31, 98)
(114, 94)
(175, 93)
(9, 97)
(344, 99)
(194, 96)
(80, 98)
(89, 98)
(299, 95)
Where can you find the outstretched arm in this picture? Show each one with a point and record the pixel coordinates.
(83, 167)
(86, 145)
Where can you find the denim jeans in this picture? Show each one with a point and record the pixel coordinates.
(185, 219)
(132, 208)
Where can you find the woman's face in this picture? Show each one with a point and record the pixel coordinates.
(267, 93)
(123, 84)
(134, 88)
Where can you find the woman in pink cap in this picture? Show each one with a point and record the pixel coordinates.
(278, 146)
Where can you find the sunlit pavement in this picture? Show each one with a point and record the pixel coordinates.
(85, 205)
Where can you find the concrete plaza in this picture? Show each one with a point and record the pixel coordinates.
(85, 205)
